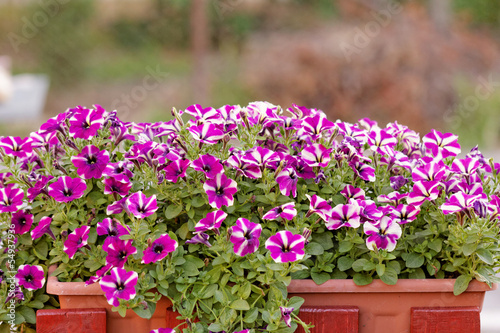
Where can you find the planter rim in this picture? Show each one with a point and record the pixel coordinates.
(55, 287)
(403, 285)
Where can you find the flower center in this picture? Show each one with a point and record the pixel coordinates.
(29, 278)
(219, 191)
(120, 286)
(67, 193)
(123, 255)
(158, 249)
(206, 168)
(92, 159)
(22, 221)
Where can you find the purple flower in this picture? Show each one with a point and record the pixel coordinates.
(16, 147)
(431, 170)
(141, 206)
(466, 166)
(98, 274)
(287, 181)
(42, 228)
(76, 240)
(66, 189)
(117, 207)
(315, 125)
(15, 294)
(364, 171)
(111, 227)
(382, 235)
(344, 216)
(248, 169)
(120, 185)
(441, 145)
(122, 168)
(260, 156)
(303, 169)
(423, 191)
(30, 277)
(286, 315)
(22, 222)
(397, 182)
(119, 285)
(203, 115)
(245, 236)
(40, 187)
(458, 202)
(351, 192)
(369, 211)
(319, 206)
(286, 247)
(286, 211)
(11, 199)
(209, 165)
(393, 198)
(316, 155)
(200, 238)
(118, 251)
(85, 123)
(159, 249)
(213, 220)
(405, 213)
(206, 133)
(176, 169)
(163, 330)
(220, 191)
(91, 162)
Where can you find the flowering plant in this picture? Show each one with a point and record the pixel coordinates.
(220, 211)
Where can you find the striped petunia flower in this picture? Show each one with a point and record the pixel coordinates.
(405, 213)
(351, 192)
(111, 227)
(76, 240)
(458, 202)
(287, 181)
(121, 168)
(141, 206)
(206, 133)
(14, 146)
(431, 170)
(209, 165)
(11, 199)
(117, 185)
(423, 191)
(248, 169)
(22, 222)
(91, 162)
(42, 228)
(286, 211)
(382, 235)
(159, 249)
(245, 236)
(465, 166)
(118, 251)
(260, 156)
(442, 145)
(344, 216)
(66, 189)
(286, 246)
(319, 206)
(315, 125)
(85, 123)
(176, 169)
(213, 220)
(220, 191)
(286, 315)
(120, 284)
(163, 330)
(316, 155)
(362, 170)
(381, 138)
(39, 187)
(31, 277)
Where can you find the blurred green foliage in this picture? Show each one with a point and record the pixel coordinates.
(481, 11)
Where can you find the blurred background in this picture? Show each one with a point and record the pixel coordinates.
(424, 63)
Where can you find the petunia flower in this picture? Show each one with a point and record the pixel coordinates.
(118, 251)
(351, 192)
(22, 222)
(117, 207)
(286, 315)
(213, 220)
(319, 206)
(441, 145)
(286, 211)
(405, 213)
(91, 162)
(98, 274)
(245, 236)
(176, 169)
(381, 138)
(141, 206)
(39, 187)
(209, 165)
(260, 156)
(316, 155)
(206, 133)
(287, 181)
(316, 124)
(382, 235)
(66, 189)
(344, 216)
(159, 249)
(362, 170)
(248, 169)
(14, 295)
(11, 199)
(286, 246)
(200, 238)
(458, 202)
(393, 198)
(163, 330)
(85, 123)
(120, 284)
(119, 185)
(111, 227)
(397, 182)
(303, 169)
(16, 147)
(431, 170)
(465, 166)
(76, 240)
(423, 191)
(121, 168)
(31, 277)
(220, 191)
(42, 228)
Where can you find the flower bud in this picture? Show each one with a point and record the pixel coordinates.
(481, 209)
(306, 233)
(261, 211)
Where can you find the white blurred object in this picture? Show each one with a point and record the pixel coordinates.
(6, 88)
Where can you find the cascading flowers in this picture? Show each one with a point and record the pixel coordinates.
(218, 209)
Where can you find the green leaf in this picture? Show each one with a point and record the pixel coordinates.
(145, 312)
(362, 279)
(414, 260)
(28, 314)
(389, 277)
(359, 264)
(314, 249)
(325, 239)
(469, 249)
(380, 269)
(172, 211)
(461, 284)
(436, 245)
(198, 201)
(215, 327)
(344, 263)
(320, 278)
(345, 246)
(251, 315)
(485, 256)
(41, 250)
(240, 304)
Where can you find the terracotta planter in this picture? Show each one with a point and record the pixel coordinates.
(75, 295)
(384, 308)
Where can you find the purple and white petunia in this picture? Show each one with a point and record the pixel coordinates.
(117, 185)
(22, 222)
(286, 246)
(120, 284)
(42, 228)
(85, 123)
(200, 238)
(423, 191)
(344, 216)
(141, 206)
(316, 155)
(91, 162)
(287, 180)
(163, 330)
(286, 211)
(159, 249)
(206, 133)
(382, 235)
(31, 277)
(213, 220)
(111, 227)
(16, 147)
(458, 202)
(362, 170)
(351, 192)
(405, 213)
(245, 236)
(76, 240)
(220, 191)
(118, 251)
(176, 169)
(441, 145)
(286, 315)
(319, 206)
(66, 189)
(11, 199)
(209, 165)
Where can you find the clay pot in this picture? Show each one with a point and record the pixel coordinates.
(384, 308)
(75, 295)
